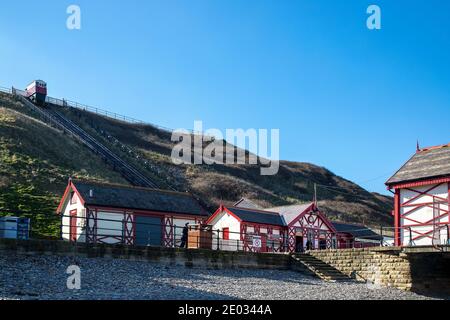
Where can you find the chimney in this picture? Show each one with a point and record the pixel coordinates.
(91, 193)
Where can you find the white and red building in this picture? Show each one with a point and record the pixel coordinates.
(247, 229)
(106, 213)
(280, 229)
(421, 198)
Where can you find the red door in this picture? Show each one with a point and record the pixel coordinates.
(263, 242)
(73, 225)
(226, 233)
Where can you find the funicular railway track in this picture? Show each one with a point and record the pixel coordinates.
(131, 174)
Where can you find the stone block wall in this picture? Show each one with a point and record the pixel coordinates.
(420, 270)
(165, 256)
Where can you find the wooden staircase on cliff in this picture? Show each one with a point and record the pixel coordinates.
(321, 269)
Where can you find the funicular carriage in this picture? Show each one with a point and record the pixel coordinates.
(36, 91)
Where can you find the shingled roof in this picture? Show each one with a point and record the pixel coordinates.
(257, 216)
(291, 212)
(120, 196)
(427, 163)
(357, 231)
(246, 203)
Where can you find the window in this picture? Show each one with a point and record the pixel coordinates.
(73, 198)
(226, 233)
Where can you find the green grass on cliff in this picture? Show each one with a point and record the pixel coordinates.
(36, 161)
(35, 164)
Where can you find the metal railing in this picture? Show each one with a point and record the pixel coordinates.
(85, 229)
(5, 90)
(194, 236)
(57, 120)
(96, 110)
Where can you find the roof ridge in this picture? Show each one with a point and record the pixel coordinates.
(251, 209)
(434, 147)
(123, 186)
(292, 205)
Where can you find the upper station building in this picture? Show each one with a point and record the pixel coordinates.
(422, 196)
(37, 91)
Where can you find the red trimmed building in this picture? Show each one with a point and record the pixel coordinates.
(421, 190)
(281, 229)
(107, 213)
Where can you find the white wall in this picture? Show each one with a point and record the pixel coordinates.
(80, 219)
(424, 214)
(225, 220)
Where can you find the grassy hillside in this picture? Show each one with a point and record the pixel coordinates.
(149, 149)
(36, 161)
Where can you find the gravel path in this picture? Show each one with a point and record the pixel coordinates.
(44, 277)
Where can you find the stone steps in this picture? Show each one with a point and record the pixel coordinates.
(323, 270)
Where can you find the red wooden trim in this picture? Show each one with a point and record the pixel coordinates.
(319, 213)
(66, 192)
(424, 205)
(226, 233)
(326, 221)
(419, 183)
(78, 193)
(397, 233)
(61, 202)
(421, 235)
(424, 225)
(448, 201)
(214, 215)
(420, 193)
(415, 207)
(412, 220)
(168, 236)
(129, 235)
(232, 214)
(264, 225)
(146, 212)
(258, 226)
(73, 228)
(300, 215)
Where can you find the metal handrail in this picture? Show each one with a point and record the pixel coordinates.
(5, 90)
(88, 140)
(96, 110)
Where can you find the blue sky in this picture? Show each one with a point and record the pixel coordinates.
(344, 97)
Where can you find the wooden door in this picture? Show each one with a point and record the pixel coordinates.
(73, 225)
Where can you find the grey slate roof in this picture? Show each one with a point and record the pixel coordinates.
(118, 196)
(257, 216)
(246, 203)
(357, 231)
(289, 213)
(425, 164)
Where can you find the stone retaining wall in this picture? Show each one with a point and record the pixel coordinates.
(165, 256)
(421, 270)
(416, 269)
